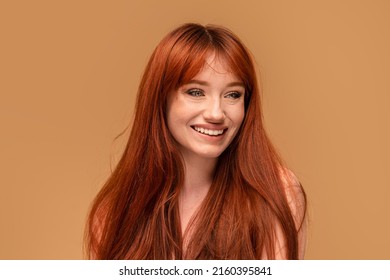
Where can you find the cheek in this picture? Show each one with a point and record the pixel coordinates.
(176, 117)
(174, 114)
(171, 111)
(180, 111)
(238, 115)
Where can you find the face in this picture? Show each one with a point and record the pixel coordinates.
(205, 114)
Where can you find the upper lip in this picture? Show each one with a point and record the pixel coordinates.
(210, 127)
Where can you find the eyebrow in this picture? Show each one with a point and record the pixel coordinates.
(205, 83)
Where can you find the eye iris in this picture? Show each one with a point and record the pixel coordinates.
(234, 95)
(195, 92)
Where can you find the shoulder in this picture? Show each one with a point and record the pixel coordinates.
(295, 195)
(95, 231)
(296, 199)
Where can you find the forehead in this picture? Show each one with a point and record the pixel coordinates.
(216, 66)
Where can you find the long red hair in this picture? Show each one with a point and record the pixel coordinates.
(135, 215)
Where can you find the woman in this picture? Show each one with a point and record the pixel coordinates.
(199, 178)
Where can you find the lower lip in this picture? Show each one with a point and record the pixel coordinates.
(211, 137)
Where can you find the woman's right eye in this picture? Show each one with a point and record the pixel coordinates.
(195, 92)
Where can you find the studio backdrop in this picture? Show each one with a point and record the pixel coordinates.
(69, 77)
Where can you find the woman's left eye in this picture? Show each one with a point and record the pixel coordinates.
(233, 95)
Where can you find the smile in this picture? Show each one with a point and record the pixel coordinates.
(208, 131)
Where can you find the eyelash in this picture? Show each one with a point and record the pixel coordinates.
(234, 95)
(199, 92)
(195, 92)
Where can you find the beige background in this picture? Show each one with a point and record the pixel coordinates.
(70, 70)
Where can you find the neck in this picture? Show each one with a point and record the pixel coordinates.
(198, 177)
(199, 173)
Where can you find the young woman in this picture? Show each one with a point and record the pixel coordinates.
(199, 178)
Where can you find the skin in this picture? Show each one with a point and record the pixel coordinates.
(212, 100)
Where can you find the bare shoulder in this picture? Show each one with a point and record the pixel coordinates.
(295, 194)
(99, 220)
(95, 231)
(296, 199)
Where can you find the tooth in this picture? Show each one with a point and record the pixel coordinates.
(208, 131)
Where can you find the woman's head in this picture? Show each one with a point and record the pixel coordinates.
(205, 114)
(181, 56)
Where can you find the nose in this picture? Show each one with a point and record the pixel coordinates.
(214, 112)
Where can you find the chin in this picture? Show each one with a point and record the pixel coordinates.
(205, 152)
(210, 154)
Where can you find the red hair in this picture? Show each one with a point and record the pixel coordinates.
(135, 215)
